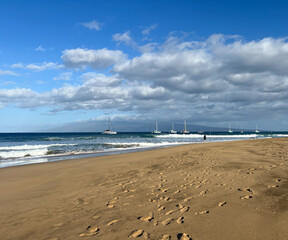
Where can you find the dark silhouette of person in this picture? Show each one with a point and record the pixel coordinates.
(204, 138)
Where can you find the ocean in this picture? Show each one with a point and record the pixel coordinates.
(28, 148)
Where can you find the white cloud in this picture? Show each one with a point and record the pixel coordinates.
(98, 59)
(8, 83)
(150, 47)
(147, 30)
(94, 25)
(124, 38)
(17, 65)
(7, 72)
(66, 76)
(38, 67)
(218, 79)
(40, 48)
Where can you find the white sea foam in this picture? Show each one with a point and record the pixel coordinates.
(29, 147)
(194, 135)
(233, 136)
(26, 150)
(179, 136)
(140, 145)
(18, 161)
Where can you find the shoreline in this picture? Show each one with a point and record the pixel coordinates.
(71, 156)
(197, 189)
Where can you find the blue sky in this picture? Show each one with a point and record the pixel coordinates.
(209, 62)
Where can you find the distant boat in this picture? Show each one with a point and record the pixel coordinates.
(230, 130)
(256, 130)
(109, 130)
(156, 131)
(241, 131)
(172, 131)
(185, 131)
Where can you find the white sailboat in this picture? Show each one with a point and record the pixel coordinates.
(172, 131)
(256, 130)
(185, 131)
(156, 131)
(109, 130)
(230, 130)
(241, 131)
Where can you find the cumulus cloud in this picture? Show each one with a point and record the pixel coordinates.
(97, 59)
(94, 25)
(222, 78)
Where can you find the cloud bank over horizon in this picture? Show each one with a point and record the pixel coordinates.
(221, 78)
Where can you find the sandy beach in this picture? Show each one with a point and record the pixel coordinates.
(224, 190)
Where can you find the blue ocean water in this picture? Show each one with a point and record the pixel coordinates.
(28, 148)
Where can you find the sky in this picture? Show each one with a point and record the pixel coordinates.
(208, 62)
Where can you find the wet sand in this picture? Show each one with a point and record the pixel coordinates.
(227, 190)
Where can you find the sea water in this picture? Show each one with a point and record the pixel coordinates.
(28, 148)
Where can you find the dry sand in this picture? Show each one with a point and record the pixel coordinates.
(227, 190)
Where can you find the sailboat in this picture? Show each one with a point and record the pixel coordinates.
(156, 131)
(256, 130)
(172, 131)
(185, 131)
(230, 130)
(241, 131)
(109, 130)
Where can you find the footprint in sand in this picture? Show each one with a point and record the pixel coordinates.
(112, 222)
(187, 199)
(171, 211)
(273, 186)
(164, 198)
(147, 219)
(166, 237)
(139, 233)
(221, 204)
(136, 233)
(180, 220)
(204, 192)
(183, 236)
(160, 208)
(183, 208)
(164, 190)
(92, 231)
(110, 205)
(201, 213)
(167, 221)
(246, 197)
(245, 189)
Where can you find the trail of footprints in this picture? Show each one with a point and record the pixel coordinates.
(163, 199)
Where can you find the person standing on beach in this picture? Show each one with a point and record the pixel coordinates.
(204, 138)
